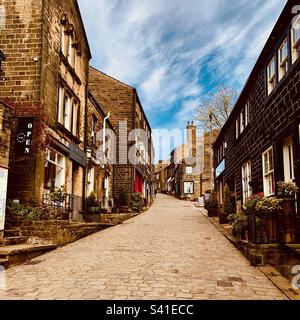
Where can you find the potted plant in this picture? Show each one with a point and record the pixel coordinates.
(229, 206)
(123, 202)
(212, 206)
(137, 202)
(92, 203)
(239, 223)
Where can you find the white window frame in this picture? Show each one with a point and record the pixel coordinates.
(271, 76)
(91, 180)
(295, 42)
(61, 104)
(246, 178)
(67, 111)
(283, 63)
(75, 116)
(288, 160)
(268, 173)
(60, 165)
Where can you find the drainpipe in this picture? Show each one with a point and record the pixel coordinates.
(104, 148)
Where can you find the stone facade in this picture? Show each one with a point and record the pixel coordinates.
(99, 172)
(186, 177)
(127, 114)
(271, 122)
(46, 74)
(161, 176)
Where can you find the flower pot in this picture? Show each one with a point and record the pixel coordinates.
(212, 212)
(124, 209)
(223, 218)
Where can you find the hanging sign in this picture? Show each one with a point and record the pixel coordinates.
(3, 195)
(24, 137)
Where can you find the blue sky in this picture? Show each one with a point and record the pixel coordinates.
(175, 52)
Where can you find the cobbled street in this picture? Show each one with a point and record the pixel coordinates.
(169, 252)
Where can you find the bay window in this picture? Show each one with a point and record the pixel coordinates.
(271, 74)
(246, 178)
(283, 54)
(268, 172)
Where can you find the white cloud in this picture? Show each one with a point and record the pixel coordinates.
(172, 50)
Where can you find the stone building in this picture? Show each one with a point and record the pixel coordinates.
(126, 115)
(100, 156)
(189, 172)
(161, 176)
(46, 73)
(259, 144)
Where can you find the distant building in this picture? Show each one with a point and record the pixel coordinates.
(189, 172)
(161, 176)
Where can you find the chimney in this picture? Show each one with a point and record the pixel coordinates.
(192, 138)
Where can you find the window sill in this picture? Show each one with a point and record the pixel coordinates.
(69, 67)
(68, 133)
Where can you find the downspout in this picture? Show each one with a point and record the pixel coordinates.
(104, 150)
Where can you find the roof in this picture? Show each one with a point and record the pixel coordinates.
(105, 74)
(83, 27)
(284, 18)
(129, 87)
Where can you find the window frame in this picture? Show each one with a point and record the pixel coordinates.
(288, 159)
(295, 47)
(283, 62)
(269, 173)
(246, 179)
(58, 166)
(272, 81)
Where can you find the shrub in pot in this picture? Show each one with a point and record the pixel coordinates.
(229, 206)
(212, 207)
(92, 203)
(137, 202)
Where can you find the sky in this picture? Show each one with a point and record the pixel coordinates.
(175, 52)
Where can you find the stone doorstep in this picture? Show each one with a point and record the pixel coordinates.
(17, 249)
(18, 254)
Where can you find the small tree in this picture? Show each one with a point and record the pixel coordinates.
(229, 201)
(213, 203)
(214, 110)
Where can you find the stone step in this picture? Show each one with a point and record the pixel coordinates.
(8, 241)
(12, 233)
(18, 254)
(4, 263)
